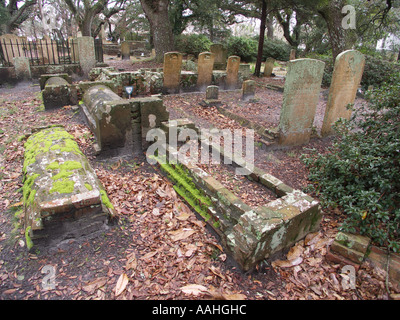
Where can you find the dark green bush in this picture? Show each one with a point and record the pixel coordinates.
(376, 71)
(192, 43)
(245, 48)
(360, 173)
(277, 49)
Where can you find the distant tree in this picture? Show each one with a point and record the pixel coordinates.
(13, 13)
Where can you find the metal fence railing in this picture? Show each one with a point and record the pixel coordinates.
(44, 52)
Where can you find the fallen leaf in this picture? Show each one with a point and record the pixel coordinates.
(287, 263)
(194, 289)
(91, 286)
(181, 234)
(156, 212)
(217, 272)
(121, 284)
(295, 252)
(131, 262)
(149, 255)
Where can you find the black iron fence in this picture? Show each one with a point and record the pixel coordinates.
(44, 52)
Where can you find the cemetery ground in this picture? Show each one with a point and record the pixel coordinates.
(157, 248)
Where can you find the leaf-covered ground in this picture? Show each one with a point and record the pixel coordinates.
(157, 248)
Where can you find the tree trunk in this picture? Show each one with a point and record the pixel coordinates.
(157, 13)
(339, 37)
(261, 38)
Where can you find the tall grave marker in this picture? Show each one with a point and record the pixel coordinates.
(300, 99)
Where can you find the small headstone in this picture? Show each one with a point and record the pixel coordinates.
(172, 71)
(204, 69)
(346, 78)
(269, 67)
(232, 72)
(248, 89)
(292, 54)
(125, 50)
(211, 97)
(300, 99)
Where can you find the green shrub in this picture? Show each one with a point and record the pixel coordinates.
(245, 48)
(360, 173)
(376, 71)
(192, 43)
(277, 49)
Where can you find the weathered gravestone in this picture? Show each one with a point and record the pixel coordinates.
(211, 97)
(205, 67)
(248, 89)
(269, 67)
(347, 74)
(22, 68)
(221, 54)
(62, 197)
(300, 99)
(112, 120)
(232, 72)
(125, 50)
(172, 71)
(87, 57)
(292, 54)
(58, 92)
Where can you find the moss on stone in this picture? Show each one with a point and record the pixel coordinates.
(28, 240)
(88, 186)
(63, 186)
(105, 200)
(27, 188)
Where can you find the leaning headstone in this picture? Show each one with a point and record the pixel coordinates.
(248, 89)
(87, 57)
(269, 67)
(172, 71)
(347, 74)
(232, 71)
(22, 68)
(300, 99)
(221, 54)
(292, 54)
(125, 50)
(204, 69)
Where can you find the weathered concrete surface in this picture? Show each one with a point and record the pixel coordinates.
(63, 199)
(109, 117)
(347, 74)
(300, 99)
(249, 234)
(58, 93)
(248, 89)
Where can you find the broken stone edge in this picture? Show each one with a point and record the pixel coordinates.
(250, 235)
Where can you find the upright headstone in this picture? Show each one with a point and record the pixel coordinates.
(232, 71)
(87, 57)
(212, 93)
(12, 46)
(347, 74)
(300, 99)
(292, 54)
(221, 54)
(172, 71)
(205, 67)
(269, 67)
(125, 50)
(248, 89)
(22, 68)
